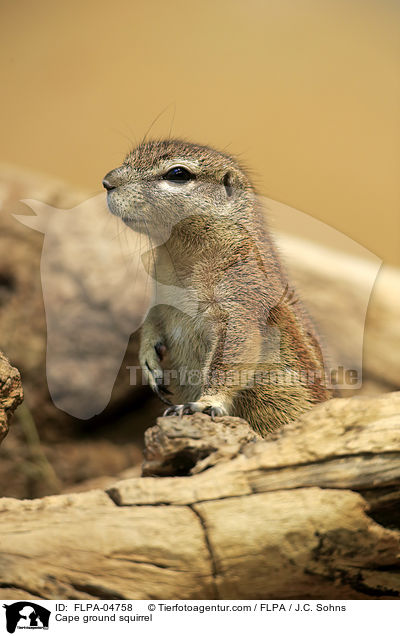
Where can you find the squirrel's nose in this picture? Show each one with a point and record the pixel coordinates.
(115, 178)
(107, 185)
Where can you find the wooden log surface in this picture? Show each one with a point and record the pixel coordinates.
(11, 393)
(311, 512)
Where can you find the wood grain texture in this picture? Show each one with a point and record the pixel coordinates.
(288, 517)
(11, 393)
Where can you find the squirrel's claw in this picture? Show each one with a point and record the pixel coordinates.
(194, 407)
(175, 409)
(215, 411)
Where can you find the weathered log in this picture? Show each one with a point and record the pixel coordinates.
(179, 446)
(310, 513)
(11, 393)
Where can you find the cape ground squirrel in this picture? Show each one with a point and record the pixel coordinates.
(248, 348)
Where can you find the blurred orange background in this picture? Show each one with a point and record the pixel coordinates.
(307, 92)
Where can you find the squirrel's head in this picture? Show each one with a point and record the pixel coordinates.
(161, 183)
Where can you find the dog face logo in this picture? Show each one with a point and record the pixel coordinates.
(26, 615)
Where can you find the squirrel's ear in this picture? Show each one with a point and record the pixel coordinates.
(228, 184)
(39, 222)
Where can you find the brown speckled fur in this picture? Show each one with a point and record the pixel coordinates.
(212, 239)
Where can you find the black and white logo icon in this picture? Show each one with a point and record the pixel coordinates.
(26, 615)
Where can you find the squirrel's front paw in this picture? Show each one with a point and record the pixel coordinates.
(202, 406)
(150, 363)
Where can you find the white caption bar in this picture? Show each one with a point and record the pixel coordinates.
(193, 617)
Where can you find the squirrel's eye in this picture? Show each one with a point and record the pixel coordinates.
(178, 175)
